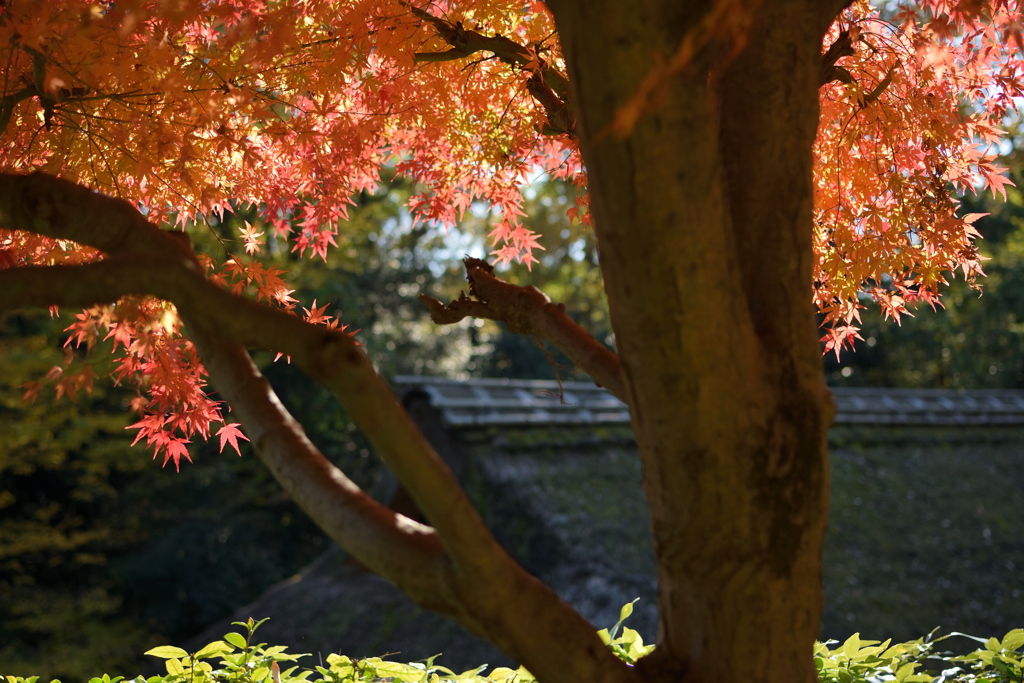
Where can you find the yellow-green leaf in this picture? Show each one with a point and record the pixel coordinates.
(1013, 639)
(167, 652)
(626, 610)
(218, 647)
(235, 639)
(906, 670)
(851, 646)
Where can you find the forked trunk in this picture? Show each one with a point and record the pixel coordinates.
(704, 220)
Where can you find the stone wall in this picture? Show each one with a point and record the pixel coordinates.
(926, 523)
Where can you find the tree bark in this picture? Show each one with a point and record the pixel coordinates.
(704, 223)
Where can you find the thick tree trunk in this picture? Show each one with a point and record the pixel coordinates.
(704, 219)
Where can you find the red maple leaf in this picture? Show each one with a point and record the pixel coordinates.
(176, 449)
(230, 433)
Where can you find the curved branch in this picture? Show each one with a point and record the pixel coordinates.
(396, 547)
(548, 86)
(328, 356)
(152, 261)
(841, 47)
(527, 310)
(475, 581)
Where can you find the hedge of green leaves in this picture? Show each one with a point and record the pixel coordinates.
(237, 659)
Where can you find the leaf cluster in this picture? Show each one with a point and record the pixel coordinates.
(916, 118)
(975, 341)
(629, 647)
(239, 659)
(870, 660)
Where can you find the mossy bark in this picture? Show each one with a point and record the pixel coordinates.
(704, 220)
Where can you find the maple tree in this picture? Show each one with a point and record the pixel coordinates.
(739, 161)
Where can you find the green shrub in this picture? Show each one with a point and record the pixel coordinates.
(917, 662)
(240, 660)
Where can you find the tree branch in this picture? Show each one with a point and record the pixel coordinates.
(330, 357)
(161, 263)
(842, 47)
(527, 310)
(476, 582)
(398, 548)
(548, 86)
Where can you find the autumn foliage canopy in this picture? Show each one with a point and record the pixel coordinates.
(190, 109)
